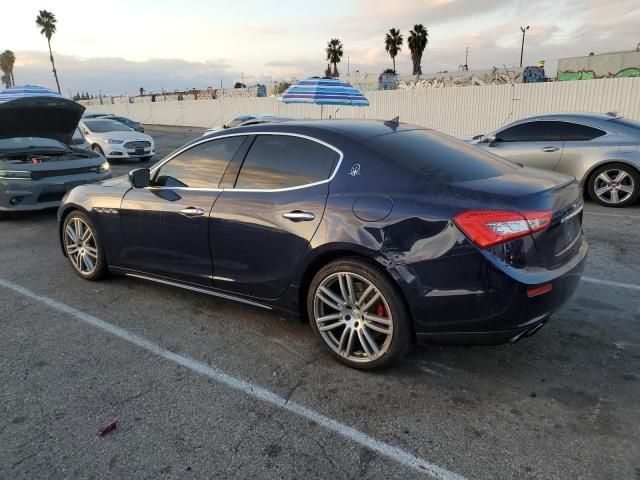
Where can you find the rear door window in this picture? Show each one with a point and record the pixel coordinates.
(202, 166)
(284, 161)
(441, 157)
(532, 132)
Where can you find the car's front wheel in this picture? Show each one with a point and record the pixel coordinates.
(98, 150)
(614, 185)
(82, 246)
(358, 314)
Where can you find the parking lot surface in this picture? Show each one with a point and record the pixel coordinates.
(206, 388)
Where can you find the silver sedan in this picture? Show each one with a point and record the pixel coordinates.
(601, 151)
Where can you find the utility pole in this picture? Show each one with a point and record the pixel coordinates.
(348, 66)
(466, 60)
(524, 31)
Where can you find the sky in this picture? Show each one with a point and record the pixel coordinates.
(118, 46)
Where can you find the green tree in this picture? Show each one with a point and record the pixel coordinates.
(334, 54)
(279, 88)
(47, 23)
(7, 59)
(393, 44)
(418, 40)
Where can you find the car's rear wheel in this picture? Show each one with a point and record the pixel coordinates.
(98, 149)
(358, 314)
(82, 246)
(614, 185)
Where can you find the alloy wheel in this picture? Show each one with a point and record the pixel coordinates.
(614, 186)
(353, 317)
(80, 245)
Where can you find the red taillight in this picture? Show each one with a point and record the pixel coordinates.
(492, 227)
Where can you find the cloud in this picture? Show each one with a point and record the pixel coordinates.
(116, 75)
(276, 46)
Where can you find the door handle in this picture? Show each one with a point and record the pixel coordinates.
(192, 212)
(299, 216)
(550, 149)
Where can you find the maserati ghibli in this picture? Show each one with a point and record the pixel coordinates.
(379, 234)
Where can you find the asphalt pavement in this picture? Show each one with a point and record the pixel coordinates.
(203, 388)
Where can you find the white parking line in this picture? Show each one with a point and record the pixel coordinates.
(610, 283)
(394, 453)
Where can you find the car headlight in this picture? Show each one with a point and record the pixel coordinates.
(104, 166)
(15, 174)
(111, 140)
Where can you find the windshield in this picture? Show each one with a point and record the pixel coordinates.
(102, 126)
(29, 143)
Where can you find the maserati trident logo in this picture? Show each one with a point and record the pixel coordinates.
(355, 170)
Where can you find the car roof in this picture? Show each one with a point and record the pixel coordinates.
(100, 119)
(572, 116)
(354, 129)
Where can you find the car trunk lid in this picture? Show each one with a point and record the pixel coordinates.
(531, 190)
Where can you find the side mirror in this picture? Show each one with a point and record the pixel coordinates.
(140, 178)
(491, 141)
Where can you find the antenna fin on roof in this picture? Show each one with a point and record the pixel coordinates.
(393, 123)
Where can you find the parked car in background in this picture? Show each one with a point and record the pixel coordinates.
(137, 126)
(115, 140)
(601, 151)
(247, 120)
(96, 115)
(38, 162)
(378, 233)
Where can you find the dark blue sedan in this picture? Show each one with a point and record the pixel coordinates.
(378, 233)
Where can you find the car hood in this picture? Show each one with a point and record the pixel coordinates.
(124, 136)
(46, 117)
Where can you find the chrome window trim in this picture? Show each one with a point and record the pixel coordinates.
(266, 190)
(198, 289)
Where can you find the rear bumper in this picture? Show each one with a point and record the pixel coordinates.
(42, 194)
(494, 307)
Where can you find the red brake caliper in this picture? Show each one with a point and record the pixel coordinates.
(381, 311)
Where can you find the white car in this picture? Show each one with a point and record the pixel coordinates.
(114, 140)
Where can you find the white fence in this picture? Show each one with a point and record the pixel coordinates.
(457, 111)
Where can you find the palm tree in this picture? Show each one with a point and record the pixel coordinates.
(7, 59)
(418, 39)
(334, 54)
(392, 44)
(47, 23)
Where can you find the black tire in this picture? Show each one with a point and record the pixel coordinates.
(4, 215)
(631, 180)
(100, 269)
(98, 149)
(145, 159)
(402, 332)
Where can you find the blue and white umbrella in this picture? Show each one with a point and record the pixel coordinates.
(324, 91)
(26, 91)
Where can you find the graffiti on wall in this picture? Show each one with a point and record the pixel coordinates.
(463, 79)
(590, 74)
(533, 75)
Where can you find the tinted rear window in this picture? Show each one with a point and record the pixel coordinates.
(441, 157)
(283, 161)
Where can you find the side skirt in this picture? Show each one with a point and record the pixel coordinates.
(185, 286)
